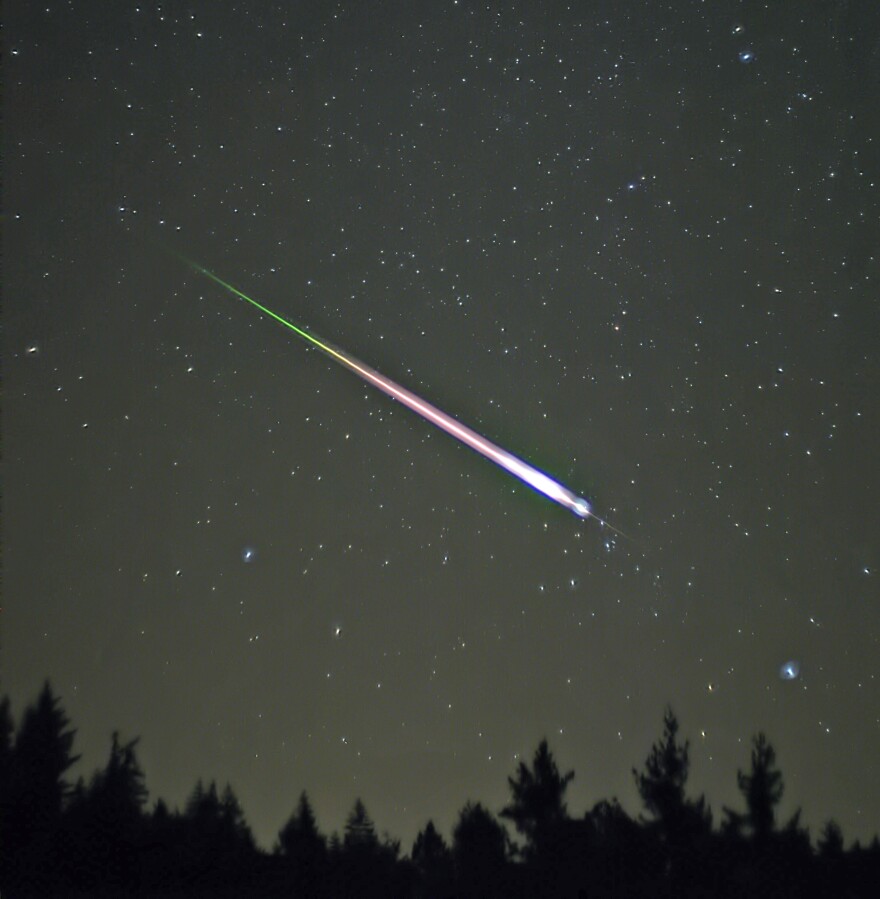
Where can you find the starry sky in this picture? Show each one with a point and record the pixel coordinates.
(634, 243)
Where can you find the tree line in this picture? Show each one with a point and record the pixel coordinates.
(99, 838)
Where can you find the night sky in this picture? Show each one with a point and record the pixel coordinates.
(635, 243)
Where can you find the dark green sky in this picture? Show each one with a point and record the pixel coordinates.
(591, 232)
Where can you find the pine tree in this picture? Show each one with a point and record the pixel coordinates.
(6, 732)
(537, 806)
(428, 846)
(830, 843)
(678, 827)
(661, 785)
(300, 833)
(479, 849)
(219, 840)
(432, 859)
(120, 788)
(105, 822)
(304, 849)
(36, 793)
(359, 829)
(7, 729)
(762, 790)
(43, 754)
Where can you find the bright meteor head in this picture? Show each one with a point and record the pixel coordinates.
(528, 474)
(581, 508)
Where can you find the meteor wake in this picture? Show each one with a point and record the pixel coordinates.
(528, 474)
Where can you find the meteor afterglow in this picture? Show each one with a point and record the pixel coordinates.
(530, 475)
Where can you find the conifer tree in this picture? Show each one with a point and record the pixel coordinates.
(537, 805)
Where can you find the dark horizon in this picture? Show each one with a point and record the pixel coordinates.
(83, 838)
(789, 805)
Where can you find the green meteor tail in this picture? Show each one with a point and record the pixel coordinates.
(327, 348)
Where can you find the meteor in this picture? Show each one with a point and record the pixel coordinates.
(528, 474)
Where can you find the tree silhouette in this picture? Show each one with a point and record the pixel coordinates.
(233, 820)
(832, 862)
(429, 846)
(43, 752)
(304, 849)
(624, 859)
(479, 850)
(677, 822)
(36, 792)
(432, 859)
(359, 829)
(772, 861)
(95, 840)
(830, 843)
(762, 789)
(7, 728)
(105, 822)
(537, 805)
(219, 843)
(165, 859)
(301, 831)
(120, 787)
(364, 866)
(662, 783)
(220, 817)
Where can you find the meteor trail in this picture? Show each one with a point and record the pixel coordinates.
(530, 475)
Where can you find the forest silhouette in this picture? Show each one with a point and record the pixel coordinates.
(99, 838)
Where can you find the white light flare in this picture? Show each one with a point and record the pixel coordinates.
(528, 474)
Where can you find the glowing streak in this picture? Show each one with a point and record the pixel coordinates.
(537, 480)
